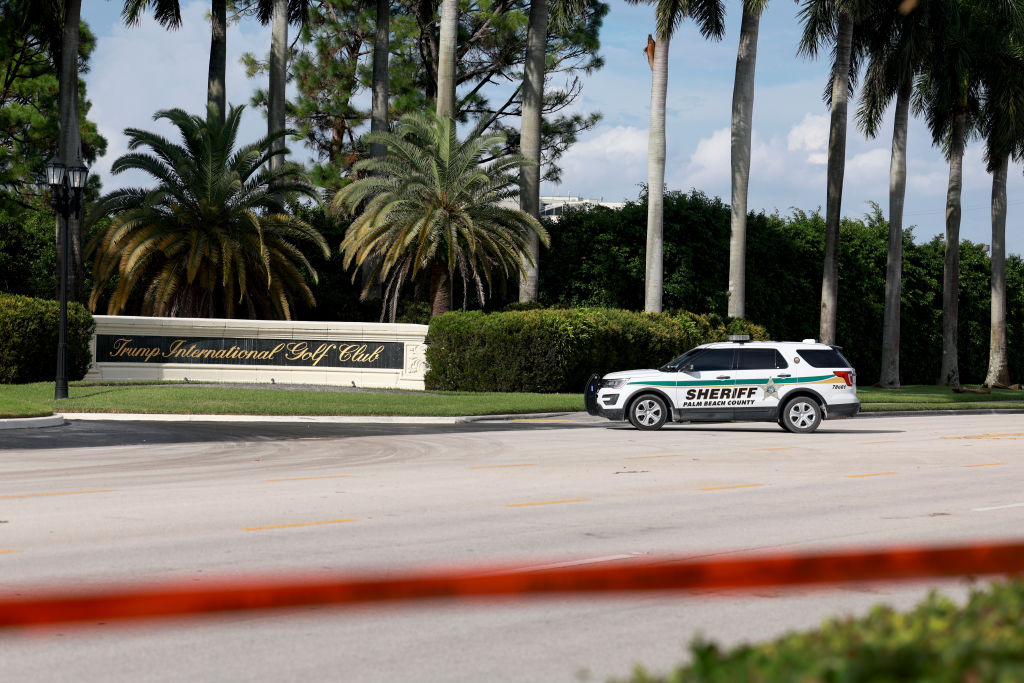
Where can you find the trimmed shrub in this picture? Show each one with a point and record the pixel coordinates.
(936, 641)
(555, 350)
(28, 339)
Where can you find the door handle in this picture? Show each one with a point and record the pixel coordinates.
(722, 377)
(784, 375)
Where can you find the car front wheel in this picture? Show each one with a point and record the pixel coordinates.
(648, 412)
(802, 415)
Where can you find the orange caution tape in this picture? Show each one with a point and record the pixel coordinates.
(169, 599)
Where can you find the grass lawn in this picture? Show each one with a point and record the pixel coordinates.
(212, 399)
(32, 400)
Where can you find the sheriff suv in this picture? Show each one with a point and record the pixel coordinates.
(797, 384)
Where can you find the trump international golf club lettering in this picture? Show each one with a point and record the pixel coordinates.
(243, 351)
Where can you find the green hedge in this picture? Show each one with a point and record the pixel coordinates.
(555, 350)
(28, 339)
(936, 641)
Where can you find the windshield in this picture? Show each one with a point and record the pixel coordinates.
(679, 361)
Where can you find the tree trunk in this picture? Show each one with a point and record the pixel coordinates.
(381, 49)
(655, 272)
(278, 78)
(950, 372)
(379, 114)
(836, 170)
(440, 289)
(890, 377)
(69, 151)
(447, 43)
(529, 140)
(215, 93)
(742, 123)
(998, 368)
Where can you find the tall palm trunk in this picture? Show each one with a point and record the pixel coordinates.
(836, 170)
(998, 368)
(215, 92)
(890, 378)
(379, 116)
(742, 123)
(529, 140)
(655, 271)
(950, 372)
(447, 44)
(278, 77)
(381, 49)
(70, 145)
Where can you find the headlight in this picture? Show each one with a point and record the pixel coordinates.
(614, 383)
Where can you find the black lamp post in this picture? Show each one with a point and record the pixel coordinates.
(67, 185)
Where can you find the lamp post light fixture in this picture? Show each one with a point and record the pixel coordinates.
(67, 185)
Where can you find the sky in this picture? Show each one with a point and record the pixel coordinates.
(137, 71)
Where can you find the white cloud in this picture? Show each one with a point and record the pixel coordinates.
(810, 135)
(869, 168)
(618, 152)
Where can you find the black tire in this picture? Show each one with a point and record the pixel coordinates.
(802, 415)
(648, 412)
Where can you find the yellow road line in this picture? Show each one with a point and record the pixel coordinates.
(3, 552)
(495, 467)
(986, 464)
(738, 486)
(546, 502)
(57, 493)
(289, 526)
(873, 474)
(648, 457)
(986, 436)
(326, 476)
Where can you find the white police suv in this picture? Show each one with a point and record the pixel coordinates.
(797, 384)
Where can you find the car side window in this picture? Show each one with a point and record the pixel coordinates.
(760, 359)
(713, 359)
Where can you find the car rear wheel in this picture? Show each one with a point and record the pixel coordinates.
(802, 415)
(648, 412)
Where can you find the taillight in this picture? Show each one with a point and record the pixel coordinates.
(847, 376)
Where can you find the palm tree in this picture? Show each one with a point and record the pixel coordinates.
(1002, 125)
(742, 125)
(212, 238)
(832, 21)
(429, 210)
(710, 18)
(168, 14)
(966, 37)
(897, 45)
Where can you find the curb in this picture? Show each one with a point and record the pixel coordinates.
(32, 422)
(308, 419)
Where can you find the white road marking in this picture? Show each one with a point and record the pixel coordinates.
(1000, 507)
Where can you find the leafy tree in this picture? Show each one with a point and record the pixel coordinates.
(429, 209)
(212, 239)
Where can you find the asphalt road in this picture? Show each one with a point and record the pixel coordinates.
(94, 504)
